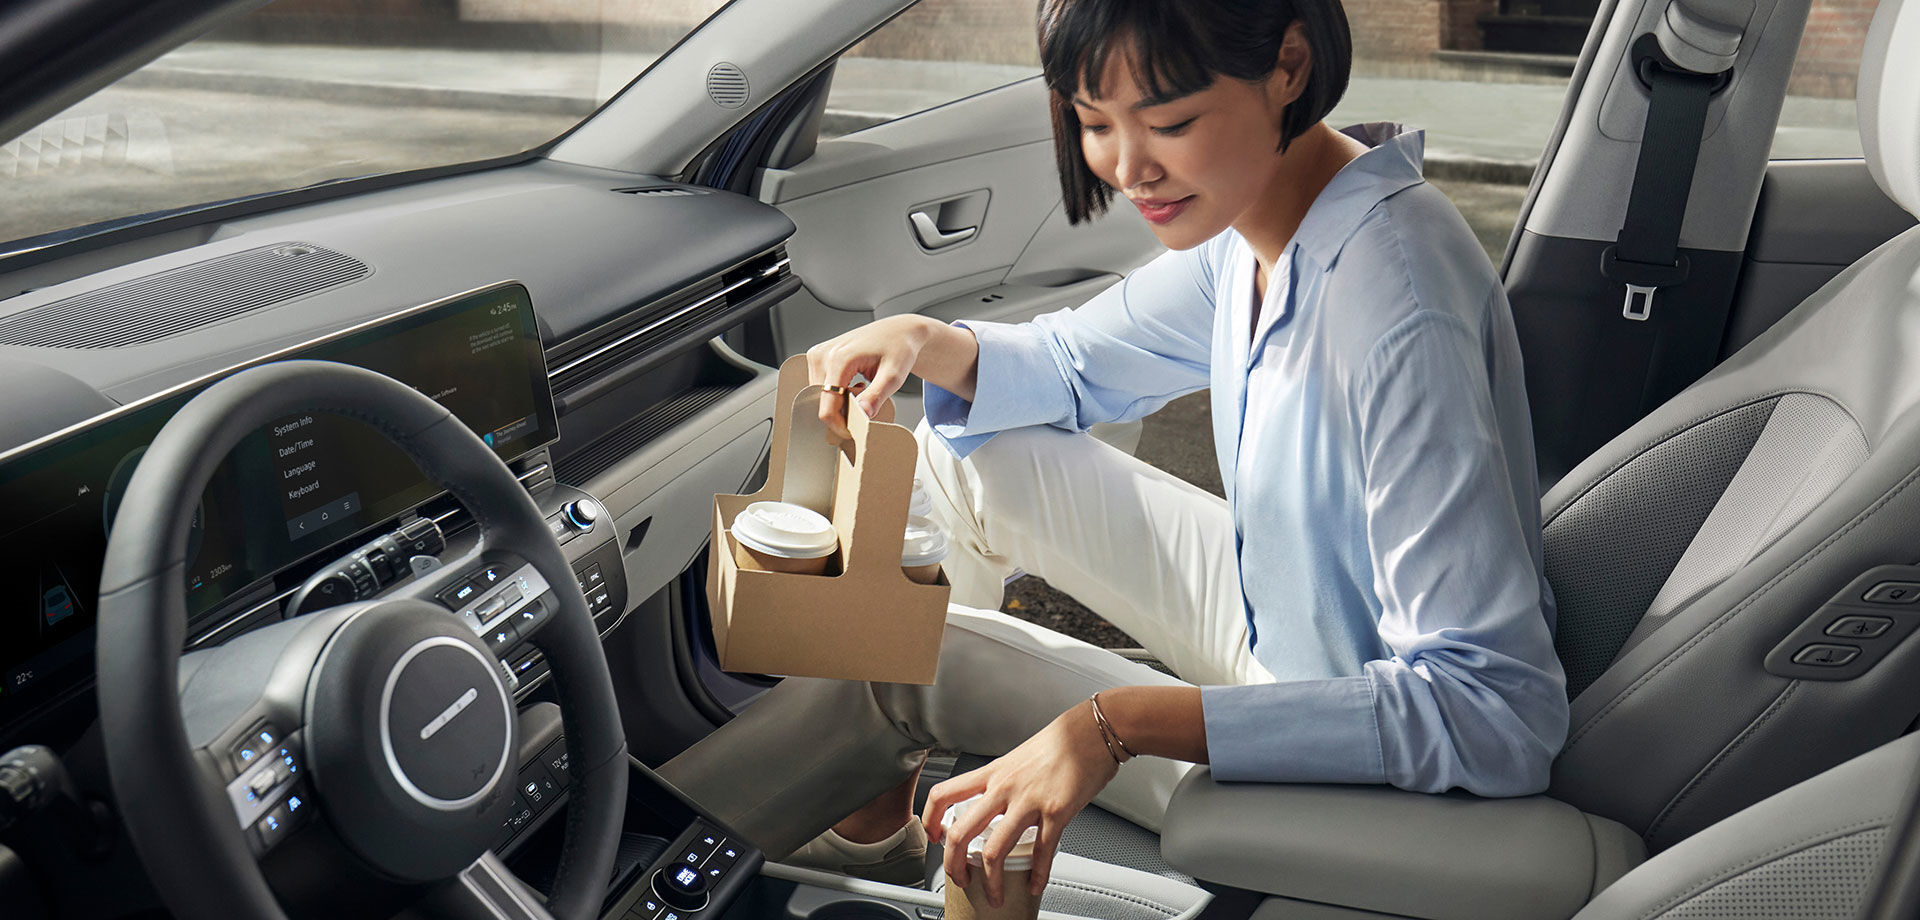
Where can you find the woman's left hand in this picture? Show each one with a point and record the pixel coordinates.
(1045, 782)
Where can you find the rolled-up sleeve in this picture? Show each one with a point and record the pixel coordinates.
(1472, 696)
(1121, 355)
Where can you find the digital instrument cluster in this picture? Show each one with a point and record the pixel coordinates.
(296, 487)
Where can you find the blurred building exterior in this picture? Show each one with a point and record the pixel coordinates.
(1402, 37)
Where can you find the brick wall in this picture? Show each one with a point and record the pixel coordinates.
(1829, 56)
(988, 31)
(1386, 33)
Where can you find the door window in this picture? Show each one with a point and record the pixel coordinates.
(1817, 118)
(932, 54)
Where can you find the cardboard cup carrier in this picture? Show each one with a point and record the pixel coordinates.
(862, 620)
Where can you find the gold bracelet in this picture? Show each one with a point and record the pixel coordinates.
(1108, 735)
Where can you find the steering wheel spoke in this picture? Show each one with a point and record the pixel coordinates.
(485, 890)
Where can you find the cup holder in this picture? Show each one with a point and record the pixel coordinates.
(857, 910)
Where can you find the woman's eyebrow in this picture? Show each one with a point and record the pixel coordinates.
(1147, 103)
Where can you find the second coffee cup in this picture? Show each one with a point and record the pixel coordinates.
(921, 552)
(782, 537)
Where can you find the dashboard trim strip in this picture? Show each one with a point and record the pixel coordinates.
(768, 272)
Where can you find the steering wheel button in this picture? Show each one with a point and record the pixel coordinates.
(457, 596)
(275, 826)
(493, 574)
(501, 637)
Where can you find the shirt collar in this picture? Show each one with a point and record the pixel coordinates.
(1393, 164)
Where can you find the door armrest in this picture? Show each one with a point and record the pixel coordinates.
(1383, 849)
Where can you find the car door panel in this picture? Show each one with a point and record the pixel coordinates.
(858, 251)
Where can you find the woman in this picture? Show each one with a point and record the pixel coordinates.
(1368, 606)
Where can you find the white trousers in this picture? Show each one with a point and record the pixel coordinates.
(1152, 554)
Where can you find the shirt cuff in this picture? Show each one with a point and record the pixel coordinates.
(1301, 731)
(1017, 384)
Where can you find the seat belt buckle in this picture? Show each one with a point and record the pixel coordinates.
(1641, 279)
(1639, 303)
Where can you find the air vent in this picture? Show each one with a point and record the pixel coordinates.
(727, 85)
(171, 302)
(663, 191)
(644, 429)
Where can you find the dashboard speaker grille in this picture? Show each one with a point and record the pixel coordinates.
(171, 302)
(727, 85)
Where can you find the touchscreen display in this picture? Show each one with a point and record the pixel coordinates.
(294, 487)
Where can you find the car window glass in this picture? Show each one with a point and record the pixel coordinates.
(1817, 117)
(302, 92)
(931, 54)
(1483, 81)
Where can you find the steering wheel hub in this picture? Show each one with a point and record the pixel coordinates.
(411, 730)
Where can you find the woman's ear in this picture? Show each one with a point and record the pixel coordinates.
(1293, 68)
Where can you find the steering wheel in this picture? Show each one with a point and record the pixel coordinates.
(388, 720)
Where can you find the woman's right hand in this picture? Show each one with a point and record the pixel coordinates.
(885, 352)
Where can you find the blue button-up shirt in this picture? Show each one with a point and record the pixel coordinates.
(1373, 435)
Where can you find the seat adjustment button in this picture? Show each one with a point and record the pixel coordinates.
(1826, 656)
(1893, 592)
(1859, 627)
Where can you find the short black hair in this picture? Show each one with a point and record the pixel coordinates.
(1181, 47)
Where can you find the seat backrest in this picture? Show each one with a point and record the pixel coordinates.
(1717, 528)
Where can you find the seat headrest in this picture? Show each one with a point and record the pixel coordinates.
(1889, 101)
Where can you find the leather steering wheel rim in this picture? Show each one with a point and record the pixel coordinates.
(184, 833)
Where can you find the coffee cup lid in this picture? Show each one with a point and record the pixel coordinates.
(920, 505)
(1019, 859)
(925, 543)
(785, 530)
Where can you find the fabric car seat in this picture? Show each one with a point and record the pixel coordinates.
(1704, 548)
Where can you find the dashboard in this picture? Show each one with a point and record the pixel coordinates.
(297, 486)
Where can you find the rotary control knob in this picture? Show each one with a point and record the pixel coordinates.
(681, 886)
(583, 513)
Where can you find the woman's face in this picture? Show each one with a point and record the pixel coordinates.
(1191, 165)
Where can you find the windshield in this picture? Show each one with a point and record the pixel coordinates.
(301, 92)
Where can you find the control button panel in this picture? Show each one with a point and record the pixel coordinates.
(367, 570)
(542, 784)
(269, 796)
(684, 883)
(1849, 634)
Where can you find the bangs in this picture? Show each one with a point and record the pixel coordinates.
(1078, 37)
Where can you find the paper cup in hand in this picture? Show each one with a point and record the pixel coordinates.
(781, 537)
(1016, 899)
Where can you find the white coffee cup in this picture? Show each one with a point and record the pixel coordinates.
(782, 537)
(921, 504)
(923, 549)
(969, 902)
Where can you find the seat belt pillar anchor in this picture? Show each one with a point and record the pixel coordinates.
(1639, 303)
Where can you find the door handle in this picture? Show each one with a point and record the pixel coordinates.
(932, 237)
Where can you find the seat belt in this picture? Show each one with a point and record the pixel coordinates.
(1646, 255)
